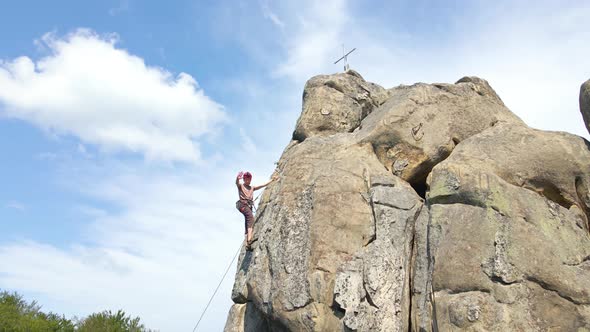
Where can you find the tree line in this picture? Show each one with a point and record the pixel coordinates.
(18, 315)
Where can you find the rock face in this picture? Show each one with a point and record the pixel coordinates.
(428, 207)
(585, 103)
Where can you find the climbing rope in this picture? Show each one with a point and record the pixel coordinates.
(254, 208)
(222, 278)
(216, 289)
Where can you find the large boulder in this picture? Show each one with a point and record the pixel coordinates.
(438, 210)
(585, 103)
(419, 125)
(336, 104)
(508, 237)
(555, 165)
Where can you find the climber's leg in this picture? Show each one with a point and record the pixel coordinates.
(249, 224)
(250, 231)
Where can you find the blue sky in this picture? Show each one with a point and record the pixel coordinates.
(123, 123)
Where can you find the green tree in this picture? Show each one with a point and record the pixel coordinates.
(108, 321)
(16, 315)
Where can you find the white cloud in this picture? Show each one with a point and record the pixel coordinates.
(247, 144)
(315, 41)
(16, 205)
(90, 88)
(272, 16)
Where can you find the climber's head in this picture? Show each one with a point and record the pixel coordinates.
(247, 178)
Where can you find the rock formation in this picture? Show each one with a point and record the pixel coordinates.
(585, 103)
(429, 207)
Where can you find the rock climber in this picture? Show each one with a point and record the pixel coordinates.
(246, 202)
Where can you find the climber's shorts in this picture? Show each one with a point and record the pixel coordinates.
(246, 210)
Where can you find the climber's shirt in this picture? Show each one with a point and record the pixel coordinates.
(246, 194)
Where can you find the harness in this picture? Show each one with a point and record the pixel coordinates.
(248, 202)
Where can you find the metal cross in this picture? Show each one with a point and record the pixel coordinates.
(345, 57)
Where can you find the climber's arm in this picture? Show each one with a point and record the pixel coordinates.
(274, 178)
(240, 175)
(262, 185)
